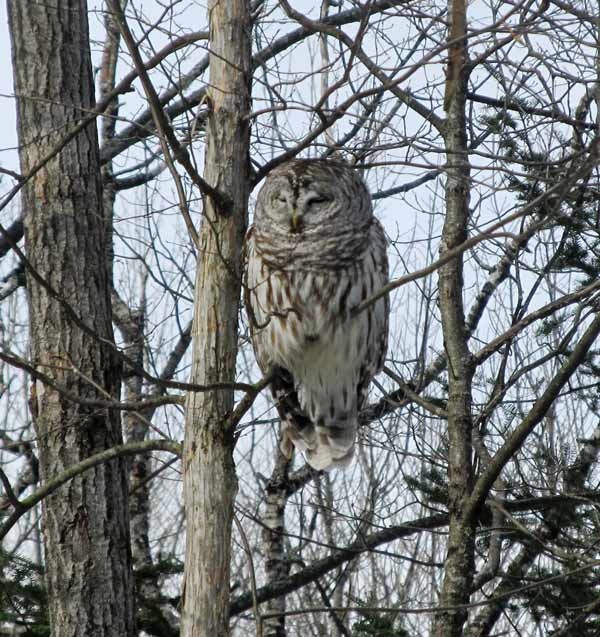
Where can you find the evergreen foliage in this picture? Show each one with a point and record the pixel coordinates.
(23, 600)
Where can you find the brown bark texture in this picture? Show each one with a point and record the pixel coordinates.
(210, 482)
(67, 238)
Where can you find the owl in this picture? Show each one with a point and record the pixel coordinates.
(314, 253)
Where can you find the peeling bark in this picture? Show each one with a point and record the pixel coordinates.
(210, 482)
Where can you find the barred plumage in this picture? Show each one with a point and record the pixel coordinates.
(314, 253)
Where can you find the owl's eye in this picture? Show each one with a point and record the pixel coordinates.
(280, 198)
(318, 200)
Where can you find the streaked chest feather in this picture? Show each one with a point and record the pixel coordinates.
(304, 318)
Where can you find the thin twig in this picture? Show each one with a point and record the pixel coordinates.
(246, 544)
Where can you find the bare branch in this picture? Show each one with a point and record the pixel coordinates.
(76, 469)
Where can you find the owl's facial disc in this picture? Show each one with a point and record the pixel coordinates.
(287, 207)
(300, 204)
(308, 209)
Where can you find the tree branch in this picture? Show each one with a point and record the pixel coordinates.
(533, 418)
(76, 469)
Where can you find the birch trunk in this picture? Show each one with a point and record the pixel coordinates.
(277, 564)
(209, 475)
(67, 239)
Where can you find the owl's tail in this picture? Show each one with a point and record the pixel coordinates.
(326, 447)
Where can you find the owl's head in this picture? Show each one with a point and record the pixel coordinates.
(312, 197)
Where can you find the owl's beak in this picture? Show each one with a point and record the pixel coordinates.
(296, 221)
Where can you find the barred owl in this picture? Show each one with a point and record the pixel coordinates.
(314, 253)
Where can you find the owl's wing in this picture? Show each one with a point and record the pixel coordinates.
(256, 310)
(379, 314)
(247, 282)
(296, 427)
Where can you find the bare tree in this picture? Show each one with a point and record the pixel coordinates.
(209, 476)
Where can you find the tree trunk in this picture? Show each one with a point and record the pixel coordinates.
(210, 483)
(86, 537)
(459, 565)
(277, 563)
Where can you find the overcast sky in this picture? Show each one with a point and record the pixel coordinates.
(8, 126)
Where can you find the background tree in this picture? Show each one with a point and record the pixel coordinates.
(475, 481)
(74, 363)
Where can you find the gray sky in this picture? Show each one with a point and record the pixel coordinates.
(8, 126)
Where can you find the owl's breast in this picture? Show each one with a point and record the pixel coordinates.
(301, 310)
(303, 316)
